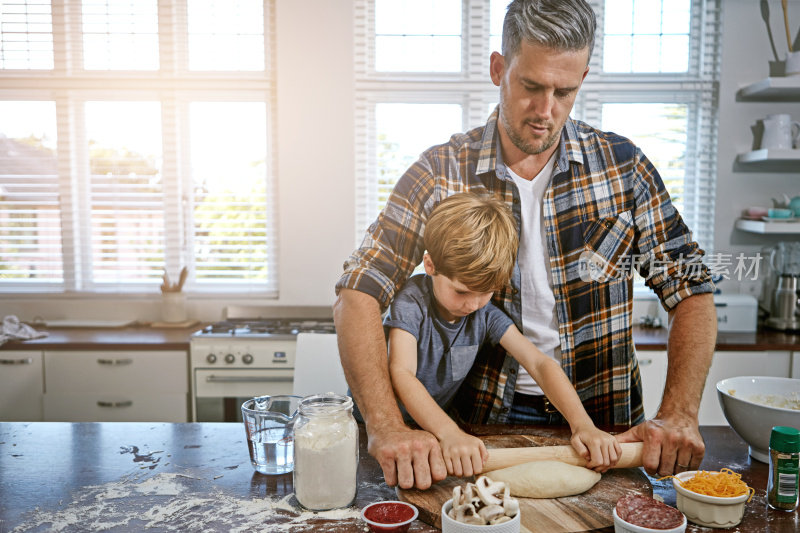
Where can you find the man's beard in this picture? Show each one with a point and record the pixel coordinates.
(520, 142)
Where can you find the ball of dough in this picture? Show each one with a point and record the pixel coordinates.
(546, 479)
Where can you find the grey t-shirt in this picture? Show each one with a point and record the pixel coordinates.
(445, 351)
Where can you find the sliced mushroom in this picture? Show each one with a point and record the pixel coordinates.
(486, 489)
(490, 512)
(466, 514)
(510, 506)
(457, 494)
(483, 502)
(469, 491)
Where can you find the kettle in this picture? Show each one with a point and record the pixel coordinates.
(781, 287)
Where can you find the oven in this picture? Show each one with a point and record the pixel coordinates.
(239, 358)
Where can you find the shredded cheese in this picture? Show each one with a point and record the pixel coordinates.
(724, 484)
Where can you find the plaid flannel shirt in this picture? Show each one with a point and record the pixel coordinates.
(605, 207)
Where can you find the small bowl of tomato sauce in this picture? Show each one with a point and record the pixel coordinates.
(389, 516)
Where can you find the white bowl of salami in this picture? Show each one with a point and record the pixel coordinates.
(635, 513)
(705, 510)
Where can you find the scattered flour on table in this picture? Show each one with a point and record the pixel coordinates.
(166, 502)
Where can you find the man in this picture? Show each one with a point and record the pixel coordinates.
(586, 202)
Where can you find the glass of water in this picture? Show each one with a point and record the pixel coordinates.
(268, 422)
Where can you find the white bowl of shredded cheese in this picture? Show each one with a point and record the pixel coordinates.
(707, 510)
(753, 405)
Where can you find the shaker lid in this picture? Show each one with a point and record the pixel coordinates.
(785, 439)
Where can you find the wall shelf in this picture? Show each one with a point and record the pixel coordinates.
(777, 89)
(786, 89)
(770, 159)
(768, 228)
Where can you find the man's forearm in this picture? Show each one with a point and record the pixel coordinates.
(362, 349)
(690, 348)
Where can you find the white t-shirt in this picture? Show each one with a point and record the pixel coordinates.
(539, 322)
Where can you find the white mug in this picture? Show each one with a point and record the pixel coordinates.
(780, 132)
(792, 64)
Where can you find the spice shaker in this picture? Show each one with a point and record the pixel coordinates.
(784, 461)
(325, 452)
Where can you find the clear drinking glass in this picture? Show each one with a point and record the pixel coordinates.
(268, 421)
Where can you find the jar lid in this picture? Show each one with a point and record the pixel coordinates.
(326, 404)
(785, 439)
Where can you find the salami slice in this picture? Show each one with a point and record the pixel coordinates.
(646, 512)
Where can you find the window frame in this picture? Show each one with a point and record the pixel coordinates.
(698, 88)
(174, 86)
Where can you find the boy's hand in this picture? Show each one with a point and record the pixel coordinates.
(464, 454)
(600, 449)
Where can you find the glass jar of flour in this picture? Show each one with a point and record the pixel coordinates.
(325, 452)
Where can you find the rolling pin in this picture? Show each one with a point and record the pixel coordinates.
(504, 457)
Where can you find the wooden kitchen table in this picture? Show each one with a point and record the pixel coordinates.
(158, 477)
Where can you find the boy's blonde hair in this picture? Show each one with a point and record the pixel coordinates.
(473, 239)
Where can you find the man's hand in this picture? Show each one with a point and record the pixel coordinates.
(409, 458)
(671, 445)
(672, 441)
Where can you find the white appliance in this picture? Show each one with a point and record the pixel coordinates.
(318, 368)
(736, 312)
(243, 357)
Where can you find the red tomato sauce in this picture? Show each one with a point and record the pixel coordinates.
(389, 513)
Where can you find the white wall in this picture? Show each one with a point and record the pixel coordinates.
(315, 173)
(745, 56)
(315, 169)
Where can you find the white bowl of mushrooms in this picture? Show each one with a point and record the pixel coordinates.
(484, 506)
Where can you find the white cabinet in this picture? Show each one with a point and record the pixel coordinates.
(21, 385)
(118, 386)
(653, 367)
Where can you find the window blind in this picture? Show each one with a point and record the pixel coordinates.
(26, 35)
(144, 147)
(681, 94)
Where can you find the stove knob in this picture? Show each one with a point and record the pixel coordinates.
(247, 359)
(230, 358)
(211, 358)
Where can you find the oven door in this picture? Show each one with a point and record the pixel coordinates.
(219, 393)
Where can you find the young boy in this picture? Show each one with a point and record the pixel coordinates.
(439, 320)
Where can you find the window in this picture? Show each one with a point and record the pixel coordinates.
(136, 139)
(653, 78)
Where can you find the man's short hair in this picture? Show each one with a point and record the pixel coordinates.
(558, 24)
(473, 239)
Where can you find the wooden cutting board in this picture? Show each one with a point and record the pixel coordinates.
(590, 510)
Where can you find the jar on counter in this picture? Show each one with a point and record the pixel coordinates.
(784, 460)
(325, 452)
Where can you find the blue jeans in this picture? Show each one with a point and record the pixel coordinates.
(526, 414)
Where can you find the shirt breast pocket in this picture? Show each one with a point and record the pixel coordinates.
(461, 359)
(606, 242)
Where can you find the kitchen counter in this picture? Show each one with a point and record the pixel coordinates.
(83, 477)
(126, 338)
(144, 338)
(761, 340)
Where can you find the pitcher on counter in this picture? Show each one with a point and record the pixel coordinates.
(586, 203)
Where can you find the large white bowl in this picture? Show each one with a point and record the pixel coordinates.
(751, 420)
